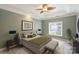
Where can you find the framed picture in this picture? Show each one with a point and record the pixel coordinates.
(27, 25)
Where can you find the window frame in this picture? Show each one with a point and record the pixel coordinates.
(55, 24)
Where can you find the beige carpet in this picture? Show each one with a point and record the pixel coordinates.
(17, 50)
(63, 47)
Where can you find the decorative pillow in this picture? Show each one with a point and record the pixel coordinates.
(26, 36)
(29, 36)
(33, 35)
(23, 36)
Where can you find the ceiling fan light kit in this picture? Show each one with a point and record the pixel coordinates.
(45, 8)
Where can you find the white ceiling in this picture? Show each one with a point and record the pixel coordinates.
(61, 10)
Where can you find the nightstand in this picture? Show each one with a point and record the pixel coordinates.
(76, 45)
(11, 44)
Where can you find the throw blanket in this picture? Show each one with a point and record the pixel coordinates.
(40, 41)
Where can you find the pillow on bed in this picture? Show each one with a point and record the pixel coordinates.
(26, 36)
(22, 35)
(31, 35)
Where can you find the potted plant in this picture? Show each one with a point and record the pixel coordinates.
(69, 36)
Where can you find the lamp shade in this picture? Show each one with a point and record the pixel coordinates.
(39, 29)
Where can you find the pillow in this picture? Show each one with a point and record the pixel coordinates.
(26, 36)
(29, 36)
(22, 35)
(33, 35)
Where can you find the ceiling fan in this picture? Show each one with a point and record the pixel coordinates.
(45, 8)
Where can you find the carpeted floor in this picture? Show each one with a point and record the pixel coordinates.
(16, 50)
(63, 48)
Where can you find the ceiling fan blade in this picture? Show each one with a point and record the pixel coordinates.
(50, 8)
(38, 9)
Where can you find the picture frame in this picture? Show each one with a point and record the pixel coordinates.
(26, 25)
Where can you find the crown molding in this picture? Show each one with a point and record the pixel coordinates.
(60, 16)
(12, 9)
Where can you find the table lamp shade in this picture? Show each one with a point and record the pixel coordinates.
(12, 32)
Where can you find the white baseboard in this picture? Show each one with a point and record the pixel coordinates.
(2, 49)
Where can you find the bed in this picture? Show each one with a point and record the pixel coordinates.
(35, 44)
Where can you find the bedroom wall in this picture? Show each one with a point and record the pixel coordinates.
(12, 21)
(37, 24)
(68, 22)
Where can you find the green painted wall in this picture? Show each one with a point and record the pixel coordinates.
(68, 22)
(8, 21)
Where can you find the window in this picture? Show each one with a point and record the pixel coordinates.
(55, 28)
